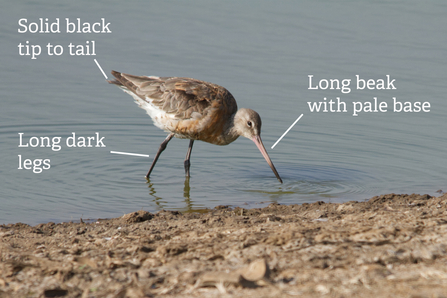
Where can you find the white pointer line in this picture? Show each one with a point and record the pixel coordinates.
(100, 68)
(126, 153)
(287, 130)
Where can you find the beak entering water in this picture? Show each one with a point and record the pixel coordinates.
(257, 140)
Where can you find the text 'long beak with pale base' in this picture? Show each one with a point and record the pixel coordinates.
(257, 140)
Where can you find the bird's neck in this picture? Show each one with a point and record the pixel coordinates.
(231, 133)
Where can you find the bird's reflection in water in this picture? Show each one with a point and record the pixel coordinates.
(186, 195)
(162, 204)
(157, 200)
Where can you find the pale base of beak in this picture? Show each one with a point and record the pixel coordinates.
(257, 140)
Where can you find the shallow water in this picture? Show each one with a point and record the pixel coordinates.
(263, 53)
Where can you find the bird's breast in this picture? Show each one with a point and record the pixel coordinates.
(211, 127)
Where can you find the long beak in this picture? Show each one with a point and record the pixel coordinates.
(260, 145)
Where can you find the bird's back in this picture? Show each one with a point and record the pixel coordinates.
(190, 108)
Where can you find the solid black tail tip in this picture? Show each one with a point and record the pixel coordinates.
(117, 75)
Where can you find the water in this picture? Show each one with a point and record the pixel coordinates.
(263, 53)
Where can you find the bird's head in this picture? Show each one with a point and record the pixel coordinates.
(247, 123)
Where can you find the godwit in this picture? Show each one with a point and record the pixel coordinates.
(191, 109)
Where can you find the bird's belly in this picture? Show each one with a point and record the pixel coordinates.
(208, 126)
(198, 129)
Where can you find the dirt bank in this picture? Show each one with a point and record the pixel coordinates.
(388, 246)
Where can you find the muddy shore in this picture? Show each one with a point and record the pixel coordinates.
(388, 246)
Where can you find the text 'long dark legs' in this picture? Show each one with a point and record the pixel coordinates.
(160, 150)
(188, 155)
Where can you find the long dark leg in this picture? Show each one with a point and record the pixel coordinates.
(188, 155)
(160, 150)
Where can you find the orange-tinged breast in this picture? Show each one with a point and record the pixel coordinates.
(216, 118)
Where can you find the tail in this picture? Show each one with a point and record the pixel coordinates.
(122, 80)
(119, 80)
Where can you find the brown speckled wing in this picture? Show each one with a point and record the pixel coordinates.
(183, 97)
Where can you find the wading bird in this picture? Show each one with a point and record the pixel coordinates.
(191, 109)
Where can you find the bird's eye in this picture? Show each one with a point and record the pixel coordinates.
(249, 123)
